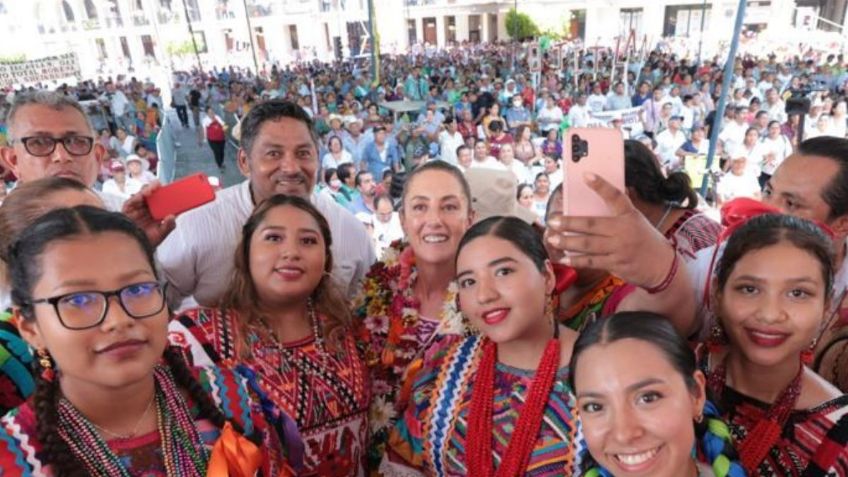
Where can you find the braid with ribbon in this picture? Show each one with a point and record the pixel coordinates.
(716, 447)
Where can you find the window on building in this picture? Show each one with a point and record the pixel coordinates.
(90, 10)
(101, 48)
(295, 43)
(577, 24)
(630, 20)
(125, 48)
(68, 11)
(685, 20)
(200, 41)
(450, 29)
(147, 44)
(410, 31)
(475, 32)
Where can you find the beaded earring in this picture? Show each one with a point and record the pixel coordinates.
(809, 354)
(46, 363)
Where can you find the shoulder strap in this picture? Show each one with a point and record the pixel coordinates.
(446, 400)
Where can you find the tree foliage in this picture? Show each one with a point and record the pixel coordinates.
(519, 26)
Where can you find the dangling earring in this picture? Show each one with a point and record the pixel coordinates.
(718, 337)
(550, 315)
(809, 354)
(46, 363)
(699, 418)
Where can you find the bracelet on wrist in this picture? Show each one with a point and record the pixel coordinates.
(669, 277)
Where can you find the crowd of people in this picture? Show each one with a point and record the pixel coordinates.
(403, 294)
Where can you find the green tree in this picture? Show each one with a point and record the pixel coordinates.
(519, 26)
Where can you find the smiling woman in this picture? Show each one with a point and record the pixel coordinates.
(285, 325)
(772, 290)
(87, 295)
(643, 405)
(498, 403)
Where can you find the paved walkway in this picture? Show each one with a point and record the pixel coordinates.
(193, 158)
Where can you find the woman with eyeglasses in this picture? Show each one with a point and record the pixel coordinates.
(111, 397)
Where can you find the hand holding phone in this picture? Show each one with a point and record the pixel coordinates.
(180, 196)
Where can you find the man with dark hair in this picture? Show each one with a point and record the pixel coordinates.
(278, 155)
(367, 188)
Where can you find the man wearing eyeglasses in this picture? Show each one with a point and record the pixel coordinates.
(49, 135)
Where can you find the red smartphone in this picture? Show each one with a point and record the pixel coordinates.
(596, 150)
(180, 196)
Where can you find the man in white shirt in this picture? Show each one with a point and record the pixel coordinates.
(578, 115)
(483, 159)
(449, 140)
(732, 135)
(278, 155)
(596, 100)
(669, 141)
(50, 136)
(618, 98)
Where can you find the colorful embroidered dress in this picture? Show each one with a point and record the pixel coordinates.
(326, 392)
(806, 433)
(141, 456)
(16, 381)
(431, 437)
(393, 337)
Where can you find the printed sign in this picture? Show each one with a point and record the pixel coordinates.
(43, 69)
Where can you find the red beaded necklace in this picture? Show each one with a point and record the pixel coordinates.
(765, 434)
(523, 438)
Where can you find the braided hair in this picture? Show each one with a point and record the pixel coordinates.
(25, 269)
(712, 436)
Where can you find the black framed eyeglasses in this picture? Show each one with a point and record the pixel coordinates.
(41, 146)
(87, 309)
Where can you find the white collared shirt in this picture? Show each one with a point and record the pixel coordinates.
(197, 258)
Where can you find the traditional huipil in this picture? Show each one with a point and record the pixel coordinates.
(393, 336)
(776, 439)
(185, 443)
(324, 390)
(438, 432)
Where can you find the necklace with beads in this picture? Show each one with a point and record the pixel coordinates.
(480, 419)
(766, 432)
(132, 433)
(183, 451)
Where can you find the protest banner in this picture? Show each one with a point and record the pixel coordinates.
(43, 69)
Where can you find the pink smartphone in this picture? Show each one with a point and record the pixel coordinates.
(596, 150)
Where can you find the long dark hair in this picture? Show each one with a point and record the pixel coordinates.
(642, 174)
(327, 298)
(770, 229)
(658, 331)
(26, 267)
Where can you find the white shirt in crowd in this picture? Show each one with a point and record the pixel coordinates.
(206, 121)
(330, 162)
(667, 146)
(550, 118)
(780, 147)
(386, 233)
(838, 127)
(521, 172)
(732, 135)
(488, 163)
(596, 102)
(131, 186)
(578, 116)
(448, 144)
(777, 112)
(731, 186)
(197, 257)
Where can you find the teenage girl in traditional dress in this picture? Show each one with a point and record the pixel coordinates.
(642, 403)
(498, 403)
(408, 298)
(285, 325)
(85, 290)
(771, 292)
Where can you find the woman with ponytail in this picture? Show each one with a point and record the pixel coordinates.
(668, 202)
(643, 403)
(497, 402)
(111, 398)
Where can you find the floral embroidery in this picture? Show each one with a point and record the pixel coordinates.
(393, 338)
